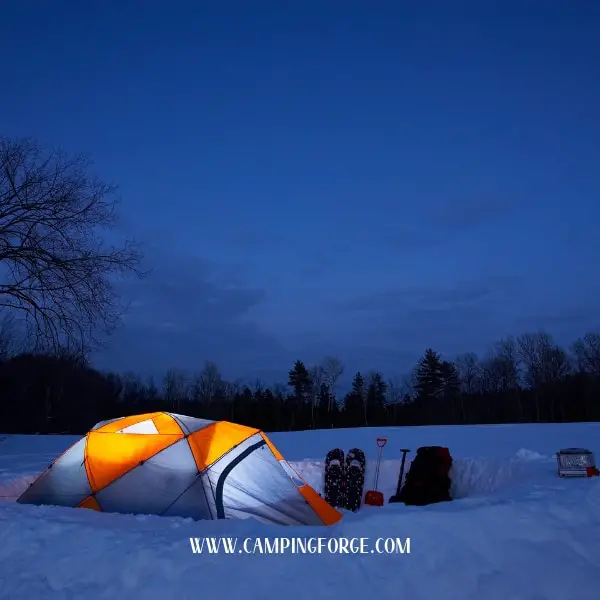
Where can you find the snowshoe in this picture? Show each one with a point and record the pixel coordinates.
(334, 478)
(355, 479)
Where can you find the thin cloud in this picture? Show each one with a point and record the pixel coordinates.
(186, 313)
(447, 219)
(394, 300)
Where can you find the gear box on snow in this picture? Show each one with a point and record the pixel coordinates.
(576, 462)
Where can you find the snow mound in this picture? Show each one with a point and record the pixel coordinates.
(477, 476)
(470, 476)
(11, 489)
(473, 476)
(524, 454)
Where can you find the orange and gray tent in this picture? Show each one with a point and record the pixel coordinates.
(174, 465)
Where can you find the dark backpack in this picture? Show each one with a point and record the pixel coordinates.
(428, 479)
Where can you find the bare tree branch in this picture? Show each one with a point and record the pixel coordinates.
(544, 360)
(333, 369)
(587, 353)
(469, 370)
(56, 267)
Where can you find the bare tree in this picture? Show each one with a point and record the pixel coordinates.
(333, 369)
(469, 376)
(56, 267)
(174, 388)
(398, 391)
(409, 384)
(469, 371)
(317, 378)
(207, 383)
(232, 388)
(257, 385)
(151, 389)
(587, 353)
(210, 382)
(545, 363)
(508, 355)
(395, 390)
(132, 386)
(500, 369)
(543, 359)
(500, 373)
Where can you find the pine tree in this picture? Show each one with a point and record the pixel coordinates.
(375, 404)
(429, 379)
(299, 380)
(354, 401)
(358, 385)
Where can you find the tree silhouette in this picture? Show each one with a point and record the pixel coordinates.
(58, 271)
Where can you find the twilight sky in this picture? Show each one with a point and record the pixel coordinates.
(362, 179)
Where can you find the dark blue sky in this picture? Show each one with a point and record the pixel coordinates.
(358, 179)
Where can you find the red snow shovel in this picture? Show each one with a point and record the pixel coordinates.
(375, 497)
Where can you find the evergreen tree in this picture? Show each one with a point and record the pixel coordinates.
(429, 379)
(375, 404)
(358, 385)
(354, 402)
(299, 380)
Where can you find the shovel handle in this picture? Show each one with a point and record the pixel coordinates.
(381, 442)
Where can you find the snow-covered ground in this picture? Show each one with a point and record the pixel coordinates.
(515, 530)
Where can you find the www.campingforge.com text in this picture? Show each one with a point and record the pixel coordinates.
(299, 545)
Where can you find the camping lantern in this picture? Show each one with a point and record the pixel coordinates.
(576, 462)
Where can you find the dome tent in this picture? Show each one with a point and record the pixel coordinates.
(174, 465)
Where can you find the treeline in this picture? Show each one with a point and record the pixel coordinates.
(57, 287)
(525, 379)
